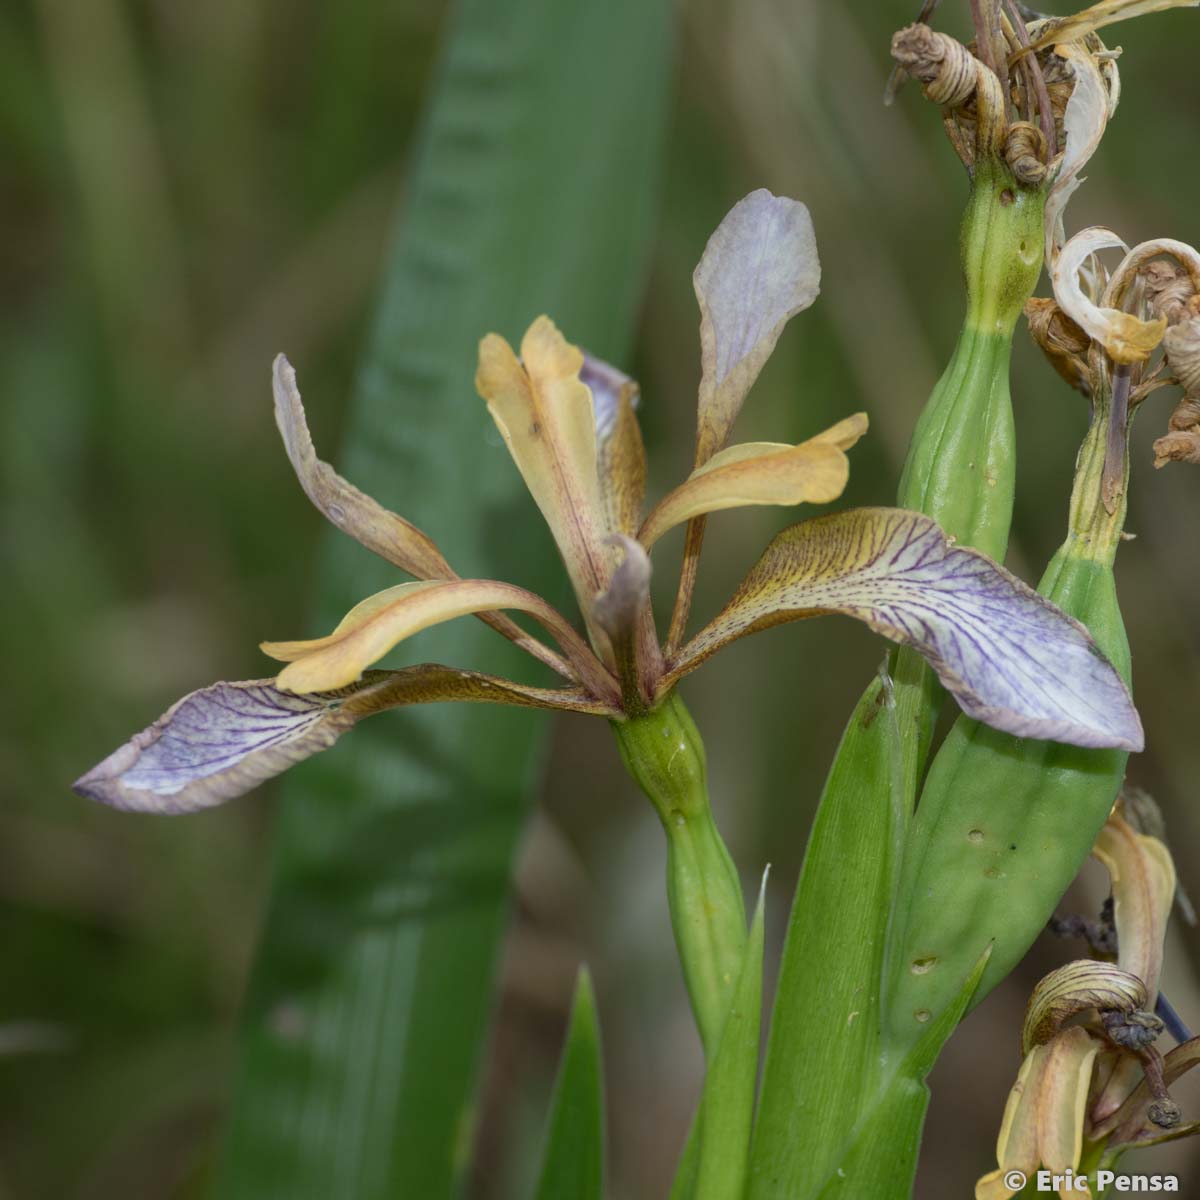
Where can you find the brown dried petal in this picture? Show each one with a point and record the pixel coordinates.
(1025, 152)
(1063, 343)
(1181, 344)
(945, 68)
(1168, 289)
(1073, 989)
(1178, 447)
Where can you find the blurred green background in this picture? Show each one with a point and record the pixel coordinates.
(188, 189)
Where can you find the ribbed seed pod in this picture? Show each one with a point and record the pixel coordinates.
(1004, 823)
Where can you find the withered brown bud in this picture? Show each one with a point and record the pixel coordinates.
(1063, 342)
(1164, 1113)
(1169, 291)
(945, 68)
(1025, 152)
(1073, 989)
(1182, 444)
(1181, 345)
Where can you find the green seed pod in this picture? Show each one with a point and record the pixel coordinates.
(663, 752)
(961, 463)
(960, 470)
(1004, 823)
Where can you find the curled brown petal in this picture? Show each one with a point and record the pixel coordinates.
(1073, 989)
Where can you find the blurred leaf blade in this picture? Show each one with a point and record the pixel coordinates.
(727, 1107)
(814, 1087)
(371, 994)
(574, 1148)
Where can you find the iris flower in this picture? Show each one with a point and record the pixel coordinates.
(1009, 657)
(1091, 1084)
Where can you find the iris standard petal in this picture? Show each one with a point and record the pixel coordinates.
(225, 740)
(1009, 656)
(620, 453)
(380, 622)
(545, 415)
(814, 472)
(759, 269)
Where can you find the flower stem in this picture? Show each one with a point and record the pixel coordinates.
(663, 752)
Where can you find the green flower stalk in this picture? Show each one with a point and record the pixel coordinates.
(663, 752)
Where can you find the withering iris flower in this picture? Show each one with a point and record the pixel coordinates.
(1091, 1076)
(1010, 658)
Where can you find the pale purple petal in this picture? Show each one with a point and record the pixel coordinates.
(225, 740)
(1009, 656)
(606, 384)
(617, 608)
(758, 270)
(212, 745)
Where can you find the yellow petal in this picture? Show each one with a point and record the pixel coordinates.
(1124, 337)
(1143, 888)
(845, 433)
(373, 627)
(1072, 29)
(354, 512)
(1062, 1090)
(389, 536)
(1016, 1147)
(813, 472)
(545, 415)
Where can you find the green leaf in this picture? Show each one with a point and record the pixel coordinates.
(879, 1159)
(683, 1186)
(727, 1106)
(814, 1082)
(532, 190)
(574, 1156)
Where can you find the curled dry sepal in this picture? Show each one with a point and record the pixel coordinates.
(1011, 658)
(1091, 1073)
(1150, 304)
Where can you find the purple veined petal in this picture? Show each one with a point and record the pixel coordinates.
(215, 744)
(620, 454)
(226, 739)
(1010, 657)
(618, 607)
(607, 384)
(759, 269)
